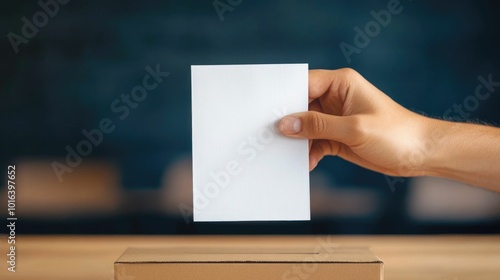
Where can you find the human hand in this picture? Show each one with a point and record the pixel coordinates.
(350, 118)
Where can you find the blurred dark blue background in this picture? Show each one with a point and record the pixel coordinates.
(63, 80)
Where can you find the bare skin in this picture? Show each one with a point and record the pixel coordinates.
(350, 118)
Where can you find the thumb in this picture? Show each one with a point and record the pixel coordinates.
(316, 125)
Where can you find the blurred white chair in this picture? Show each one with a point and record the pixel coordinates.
(436, 199)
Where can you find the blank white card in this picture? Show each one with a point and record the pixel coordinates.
(243, 168)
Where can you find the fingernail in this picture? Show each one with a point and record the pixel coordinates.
(290, 125)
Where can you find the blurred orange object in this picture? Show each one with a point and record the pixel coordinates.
(92, 188)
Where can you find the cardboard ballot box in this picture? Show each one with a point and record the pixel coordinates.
(249, 263)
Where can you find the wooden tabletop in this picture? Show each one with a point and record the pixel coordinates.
(405, 257)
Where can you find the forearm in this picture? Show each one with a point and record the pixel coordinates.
(464, 152)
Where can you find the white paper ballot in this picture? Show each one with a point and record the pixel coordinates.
(243, 168)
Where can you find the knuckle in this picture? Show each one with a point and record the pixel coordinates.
(349, 73)
(317, 125)
(349, 77)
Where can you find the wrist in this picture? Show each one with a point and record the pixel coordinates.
(434, 143)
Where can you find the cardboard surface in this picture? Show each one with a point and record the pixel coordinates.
(249, 263)
(243, 168)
